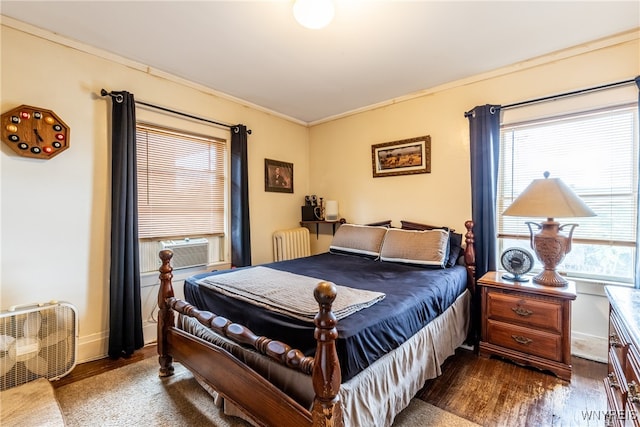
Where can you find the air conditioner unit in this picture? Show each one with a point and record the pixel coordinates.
(187, 252)
(37, 340)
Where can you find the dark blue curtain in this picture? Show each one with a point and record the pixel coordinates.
(125, 310)
(484, 130)
(240, 230)
(637, 275)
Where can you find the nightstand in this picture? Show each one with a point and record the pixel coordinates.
(527, 323)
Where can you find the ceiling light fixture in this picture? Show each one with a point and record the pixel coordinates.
(313, 14)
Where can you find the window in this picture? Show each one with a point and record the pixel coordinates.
(594, 152)
(181, 183)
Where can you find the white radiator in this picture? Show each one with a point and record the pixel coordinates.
(38, 340)
(187, 252)
(291, 243)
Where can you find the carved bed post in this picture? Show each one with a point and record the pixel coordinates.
(327, 409)
(473, 334)
(470, 256)
(165, 314)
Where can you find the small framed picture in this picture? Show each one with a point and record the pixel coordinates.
(405, 157)
(278, 176)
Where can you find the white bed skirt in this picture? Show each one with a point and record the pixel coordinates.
(376, 395)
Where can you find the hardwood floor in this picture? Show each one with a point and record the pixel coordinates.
(489, 392)
(90, 369)
(495, 392)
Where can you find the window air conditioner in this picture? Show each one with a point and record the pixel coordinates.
(187, 252)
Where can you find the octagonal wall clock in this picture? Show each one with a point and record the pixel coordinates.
(34, 132)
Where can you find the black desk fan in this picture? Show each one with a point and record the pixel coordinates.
(518, 262)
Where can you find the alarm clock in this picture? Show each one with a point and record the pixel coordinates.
(518, 262)
(34, 132)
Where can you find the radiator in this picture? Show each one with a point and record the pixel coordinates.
(187, 252)
(291, 243)
(37, 340)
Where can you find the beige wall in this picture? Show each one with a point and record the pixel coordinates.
(341, 152)
(55, 213)
(341, 149)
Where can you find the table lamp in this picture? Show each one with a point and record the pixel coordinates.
(549, 198)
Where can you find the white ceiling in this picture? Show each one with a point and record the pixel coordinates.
(372, 52)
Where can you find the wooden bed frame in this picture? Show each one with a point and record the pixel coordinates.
(259, 400)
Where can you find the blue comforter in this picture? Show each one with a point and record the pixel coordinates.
(414, 297)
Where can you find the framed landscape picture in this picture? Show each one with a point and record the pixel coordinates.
(404, 157)
(278, 176)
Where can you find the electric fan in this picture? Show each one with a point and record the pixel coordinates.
(518, 262)
(37, 341)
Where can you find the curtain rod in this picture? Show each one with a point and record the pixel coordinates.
(563, 95)
(118, 98)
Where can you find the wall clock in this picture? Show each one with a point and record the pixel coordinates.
(34, 132)
(518, 262)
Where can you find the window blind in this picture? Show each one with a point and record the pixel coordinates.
(593, 152)
(181, 183)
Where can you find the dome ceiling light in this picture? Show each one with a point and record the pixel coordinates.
(313, 14)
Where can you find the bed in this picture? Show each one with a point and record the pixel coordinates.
(390, 306)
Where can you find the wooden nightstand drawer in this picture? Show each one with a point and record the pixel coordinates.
(526, 322)
(525, 310)
(530, 341)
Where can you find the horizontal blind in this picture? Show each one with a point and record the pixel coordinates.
(181, 183)
(595, 153)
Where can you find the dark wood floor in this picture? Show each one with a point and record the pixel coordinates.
(489, 392)
(494, 392)
(89, 369)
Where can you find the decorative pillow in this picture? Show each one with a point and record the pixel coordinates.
(426, 248)
(360, 240)
(455, 248)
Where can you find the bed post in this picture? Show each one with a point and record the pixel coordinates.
(165, 314)
(470, 256)
(470, 262)
(326, 377)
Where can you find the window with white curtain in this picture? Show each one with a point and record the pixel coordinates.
(595, 152)
(181, 183)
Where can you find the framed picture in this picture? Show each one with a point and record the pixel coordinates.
(278, 176)
(405, 157)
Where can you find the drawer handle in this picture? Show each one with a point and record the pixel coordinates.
(634, 392)
(521, 340)
(614, 341)
(613, 381)
(522, 311)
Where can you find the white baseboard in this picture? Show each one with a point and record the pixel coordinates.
(93, 347)
(149, 331)
(589, 347)
(466, 347)
(96, 346)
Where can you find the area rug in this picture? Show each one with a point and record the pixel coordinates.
(30, 405)
(135, 395)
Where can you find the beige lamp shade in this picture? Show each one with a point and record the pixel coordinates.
(548, 198)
